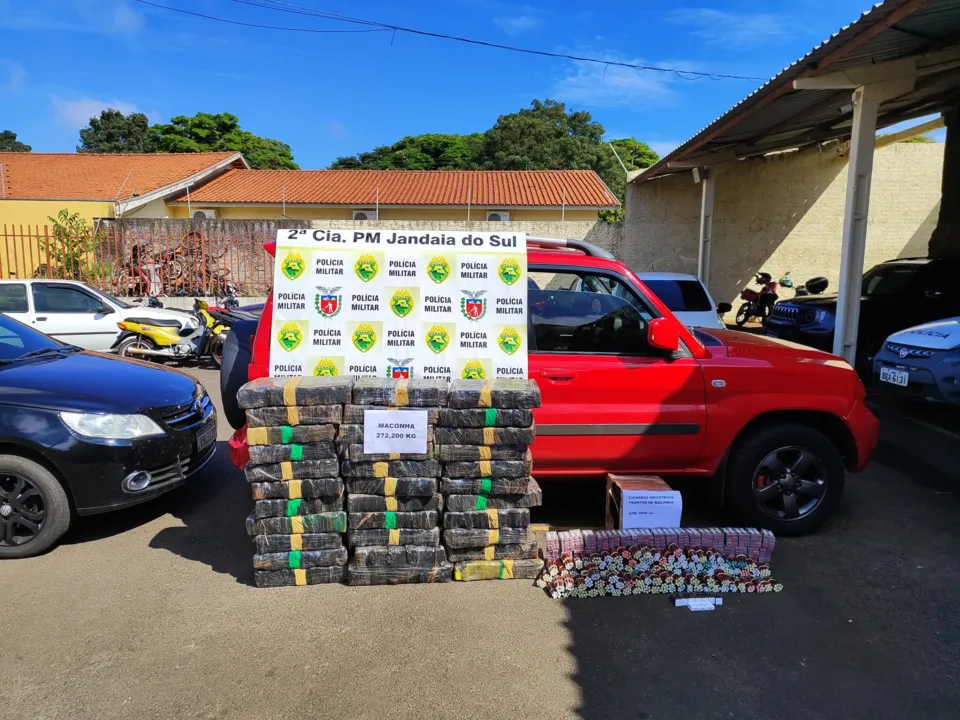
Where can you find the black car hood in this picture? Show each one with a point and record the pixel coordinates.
(91, 382)
(824, 302)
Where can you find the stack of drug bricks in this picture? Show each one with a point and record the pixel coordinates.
(298, 519)
(392, 500)
(483, 439)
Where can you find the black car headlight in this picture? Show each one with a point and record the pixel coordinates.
(110, 427)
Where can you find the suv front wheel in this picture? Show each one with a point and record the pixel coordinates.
(787, 478)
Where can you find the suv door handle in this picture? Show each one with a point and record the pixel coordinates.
(39, 319)
(559, 374)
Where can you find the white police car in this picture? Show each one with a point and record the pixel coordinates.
(923, 361)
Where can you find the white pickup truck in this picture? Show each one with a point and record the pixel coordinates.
(73, 312)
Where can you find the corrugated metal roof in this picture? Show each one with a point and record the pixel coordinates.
(889, 31)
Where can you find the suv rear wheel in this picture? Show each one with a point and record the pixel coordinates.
(787, 478)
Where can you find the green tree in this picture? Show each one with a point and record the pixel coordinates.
(635, 154)
(9, 143)
(114, 132)
(206, 132)
(69, 245)
(432, 151)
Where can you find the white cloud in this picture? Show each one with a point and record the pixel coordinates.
(516, 24)
(611, 86)
(727, 29)
(77, 113)
(16, 77)
(105, 17)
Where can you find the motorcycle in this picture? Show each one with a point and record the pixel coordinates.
(758, 304)
(813, 286)
(198, 336)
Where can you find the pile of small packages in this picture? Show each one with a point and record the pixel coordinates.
(298, 519)
(483, 437)
(392, 500)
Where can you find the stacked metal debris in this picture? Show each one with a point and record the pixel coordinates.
(392, 500)
(298, 519)
(483, 440)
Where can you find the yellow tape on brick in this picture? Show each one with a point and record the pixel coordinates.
(393, 538)
(493, 519)
(394, 456)
(286, 471)
(296, 525)
(489, 552)
(294, 490)
(296, 542)
(488, 437)
(293, 415)
(403, 398)
(391, 504)
(389, 486)
(506, 569)
(380, 469)
(493, 537)
(300, 577)
(290, 391)
(485, 395)
(485, 470)
(257, 436)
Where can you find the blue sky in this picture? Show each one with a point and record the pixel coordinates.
(337, 94)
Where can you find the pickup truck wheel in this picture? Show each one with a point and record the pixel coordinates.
(34, 510)
(787, 478)
(234, 369)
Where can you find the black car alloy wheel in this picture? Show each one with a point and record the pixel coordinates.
(22, 510)
(789, 483)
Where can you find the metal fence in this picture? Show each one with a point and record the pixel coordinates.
(146, 261)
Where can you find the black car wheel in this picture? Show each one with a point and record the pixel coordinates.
(34, 511)
(787, 478)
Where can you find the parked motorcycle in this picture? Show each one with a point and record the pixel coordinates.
(758, 304)
(813, 286)
(195, 337)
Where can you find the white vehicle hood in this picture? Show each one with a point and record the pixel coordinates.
(149, 312)
(939, 335)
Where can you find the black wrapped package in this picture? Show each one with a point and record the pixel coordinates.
(299, 391)
(484, 486)
(464, 453)
(358, 575)
(533, 497)
(485, 436)
(333, 522)
(488, 468)
(400, 536)
(297, 559)
(292, 508)
(395, 468)
(353, 414)
(286, 543)
(392, 486)
(295, 416)
(490, 519)
(353, 434)
(483, 418)
(463, 538)
(286, 434)
(399, 556)
(308, 576)
(524, 551)
(380, 503)
(305, 470)
(293, 489)
(355, 453)
(497, 570)
(394, 520)
(400, 392)
(270, 454)
(496, 393)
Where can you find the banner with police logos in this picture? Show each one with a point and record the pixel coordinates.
(402, 304)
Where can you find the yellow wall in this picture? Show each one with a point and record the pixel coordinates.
(273, 212)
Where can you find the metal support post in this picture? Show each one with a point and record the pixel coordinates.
(707, 181)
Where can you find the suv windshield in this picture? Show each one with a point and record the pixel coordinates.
(17, 340)
(886, 280)
(680, 295)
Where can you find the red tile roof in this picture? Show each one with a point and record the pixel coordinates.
(361, 188)
(90, 176)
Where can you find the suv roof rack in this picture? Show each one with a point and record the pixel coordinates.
(588, 249)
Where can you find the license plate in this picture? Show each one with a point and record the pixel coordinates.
(894, 376)
(206, 435)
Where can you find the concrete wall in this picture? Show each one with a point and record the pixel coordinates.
(783, 213)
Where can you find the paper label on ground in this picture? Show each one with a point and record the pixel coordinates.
(394, 431)
(643, 509)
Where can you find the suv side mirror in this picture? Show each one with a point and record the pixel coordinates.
(724, 308)
(663, 334)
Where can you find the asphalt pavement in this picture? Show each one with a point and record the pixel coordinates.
(150, 613)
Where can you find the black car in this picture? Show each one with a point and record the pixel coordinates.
(85, 433)
(896, 294)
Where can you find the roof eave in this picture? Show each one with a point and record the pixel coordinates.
(121, 207)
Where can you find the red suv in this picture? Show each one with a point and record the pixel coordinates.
(628, 389)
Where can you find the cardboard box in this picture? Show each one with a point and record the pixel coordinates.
(641, 501)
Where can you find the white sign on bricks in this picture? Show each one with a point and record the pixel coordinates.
(392, 431)
(401, 304)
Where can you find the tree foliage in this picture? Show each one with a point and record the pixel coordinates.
(635, 155)
(114, 132)
(432, 151)
(70, 244)
(9, 142)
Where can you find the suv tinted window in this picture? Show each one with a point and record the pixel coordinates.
(13, 298)
(63, 299)
(680, 295)
(886, 280)
(574, 312)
